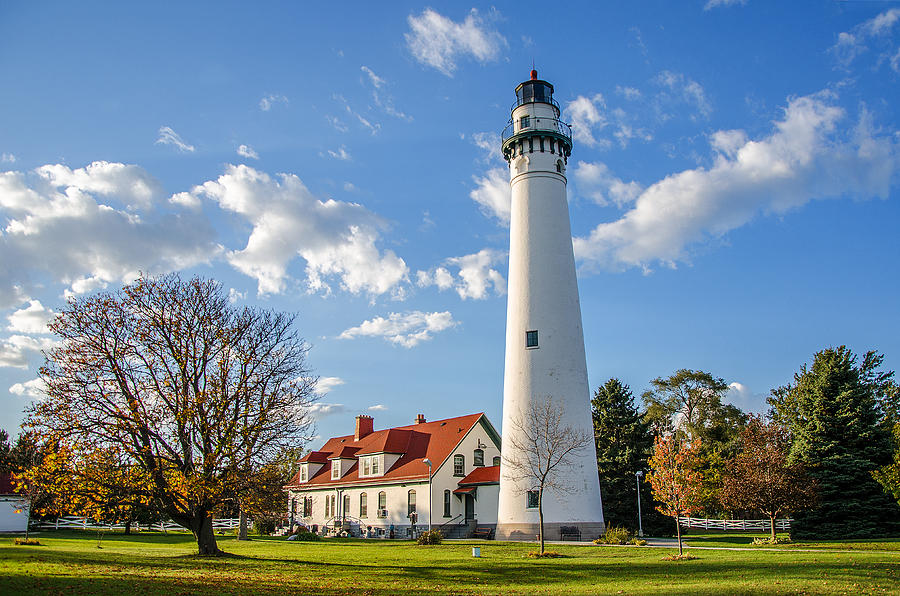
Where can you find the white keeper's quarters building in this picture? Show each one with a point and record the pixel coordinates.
(373, 482)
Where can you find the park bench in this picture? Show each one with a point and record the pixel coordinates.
(483, 533)
(569, 533)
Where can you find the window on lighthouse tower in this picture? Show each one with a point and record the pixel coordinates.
(531, 339)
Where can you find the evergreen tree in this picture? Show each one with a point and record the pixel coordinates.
(836, 412)
(624, 443)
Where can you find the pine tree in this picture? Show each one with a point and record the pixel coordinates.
(841, 432)
(624, 443)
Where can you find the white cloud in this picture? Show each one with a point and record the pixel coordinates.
(69, 226)
(337, 123)
(475, 275)
(851, 44)
(234, 296)
(629, 93)
(584, 113)
(489, 142)
(376, 81)
(493, 195)
(713, 3)
(248, 152)
(16, 350)
(405, 329)
(740, 395)
(684, 89)
(597, 182)
(167, 136)
(326, 384)
(439, 42)
(269, 101)
(373, 127)
(321, 410)
(803, 159)
(7, 158)
(31, 319)
(335, 238)
(35, 389)
(341, 154)
(377, 408)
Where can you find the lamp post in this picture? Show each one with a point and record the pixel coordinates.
(427, 462)
(637, 476)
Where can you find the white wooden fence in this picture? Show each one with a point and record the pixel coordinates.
(739, 525)
(87, 523)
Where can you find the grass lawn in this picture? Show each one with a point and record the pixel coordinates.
(721, 539)
(150, 563)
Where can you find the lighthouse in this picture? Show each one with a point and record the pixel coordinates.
(545, 356)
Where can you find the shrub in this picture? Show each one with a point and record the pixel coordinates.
(768, 541)
(638, 542)
(430, 537)
(615, 535)
(264, 526)
(304, 535)
(28, 542)
(681, 557)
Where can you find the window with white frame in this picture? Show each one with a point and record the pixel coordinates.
(375, 465)
(304, 473)
(410, 502)
(478, 458)
(459, 465)
(382, 504)
(363, 505)
(366, 466)
(335, 469)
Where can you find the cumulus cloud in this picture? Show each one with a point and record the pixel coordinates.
(404, 329)
(7, 158)
(740, 395)
(31, 319)
(34, 389)
(855, 42)
(584, 114)
(493, 195)
(167, 136)
(475, 275)
(489, 142)
(91, 226)
(596, 181)
(247, 151)
(321, 410)
(234, 296)
(377, 408)
(326, 384)
(437, 41)
(270, 101)
(336, 239)
(806, 157)
(16, 350)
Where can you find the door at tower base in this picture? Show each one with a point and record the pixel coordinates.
(545, 356)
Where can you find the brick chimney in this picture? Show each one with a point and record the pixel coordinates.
(365, 425)
(420, 418)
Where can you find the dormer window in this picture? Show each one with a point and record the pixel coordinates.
(335, 469)
(304, 473)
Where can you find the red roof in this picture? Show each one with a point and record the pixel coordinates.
(315, 457)
(345, 453)
(433, 440)
(482, 475)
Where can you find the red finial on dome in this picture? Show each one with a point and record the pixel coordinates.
(533, 74)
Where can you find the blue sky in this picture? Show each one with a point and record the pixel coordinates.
(733, 185)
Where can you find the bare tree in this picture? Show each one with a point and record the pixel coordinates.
(190, 388)
(542, 449)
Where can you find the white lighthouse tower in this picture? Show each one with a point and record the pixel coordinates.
(544, 337)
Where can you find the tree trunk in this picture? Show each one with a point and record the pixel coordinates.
(242, 527)
(678, 531)
(128, 527)
(772, 526)
(541, 517)
(202, 528)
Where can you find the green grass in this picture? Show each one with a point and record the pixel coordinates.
(744, 540)
(70, 563)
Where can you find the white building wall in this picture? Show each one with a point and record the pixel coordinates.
(10, 521)
(397, 493)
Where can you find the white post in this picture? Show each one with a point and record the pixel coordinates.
(430, 503)
(637, 478)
